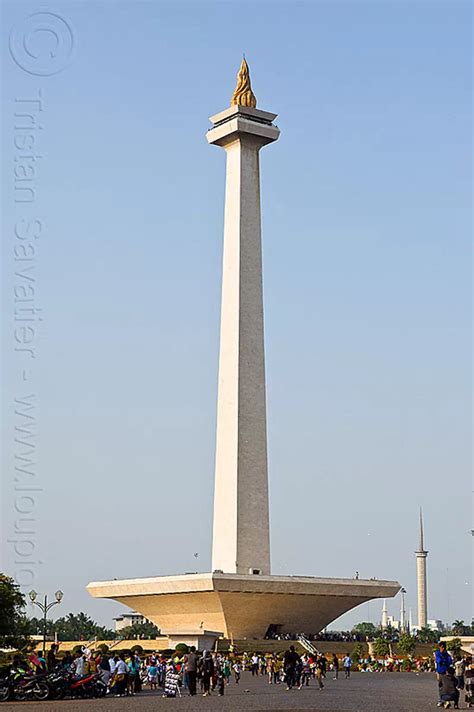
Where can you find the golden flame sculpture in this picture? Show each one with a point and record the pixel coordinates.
(243, 94)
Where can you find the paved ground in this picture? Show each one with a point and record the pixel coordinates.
(390, 692)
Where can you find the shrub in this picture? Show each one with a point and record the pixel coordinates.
(454, 647)
(381, 647)
(181, 649)
(356, 655)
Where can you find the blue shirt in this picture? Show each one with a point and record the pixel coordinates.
(443, 661)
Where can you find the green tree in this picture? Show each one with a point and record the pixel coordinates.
(139, 630)
(381, 647)
(406, 644)
(357, 653)
(368, 630)
(80, 627)
(426, 635)
(454, 647)
(14, 631)
(458, 627)
(36, 625)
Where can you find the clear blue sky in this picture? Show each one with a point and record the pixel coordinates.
(366, 218)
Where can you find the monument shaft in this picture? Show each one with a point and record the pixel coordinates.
(231, 601)
(241, 536)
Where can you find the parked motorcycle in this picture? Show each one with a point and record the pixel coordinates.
(21, 685)
(63, 684)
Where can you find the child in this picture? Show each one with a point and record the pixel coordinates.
(152, 674)
(237, 671)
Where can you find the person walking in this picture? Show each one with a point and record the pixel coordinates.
(320, 670)
(255, 661)
(190, 667)
(305, 672)
(335, 666)
(290, 661)
(133, 669)
(271, 670)
(226, 670)
(347, 663)
(237, 668)
(138, 679)
(121, 676)
(207, 670)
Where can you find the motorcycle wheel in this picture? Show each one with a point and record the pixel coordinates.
(41, 691)
(20, 694)
(100, 690)
(59, 693)
(4, 692)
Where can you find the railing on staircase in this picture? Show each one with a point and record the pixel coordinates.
(307, 645)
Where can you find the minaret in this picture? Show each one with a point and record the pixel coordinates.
(403, 623)
(384, 622)
(241, 536)
(421, 555)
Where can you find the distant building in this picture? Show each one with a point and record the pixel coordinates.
(436, 625)
(393, 623)
(126, 619)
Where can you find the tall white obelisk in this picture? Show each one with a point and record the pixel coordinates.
(421, 556)
(241, 537)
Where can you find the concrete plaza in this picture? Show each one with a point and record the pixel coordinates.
(387, 692)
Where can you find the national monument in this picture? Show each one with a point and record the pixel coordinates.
(240, 598)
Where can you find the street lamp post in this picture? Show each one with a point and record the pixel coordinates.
(45, 607)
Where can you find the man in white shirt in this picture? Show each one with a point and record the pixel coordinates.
(254, 665)
(113, 664)
(78, 665)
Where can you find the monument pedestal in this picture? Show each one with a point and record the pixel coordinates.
(241, 606)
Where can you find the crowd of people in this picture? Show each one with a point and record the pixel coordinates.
(210, 672)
